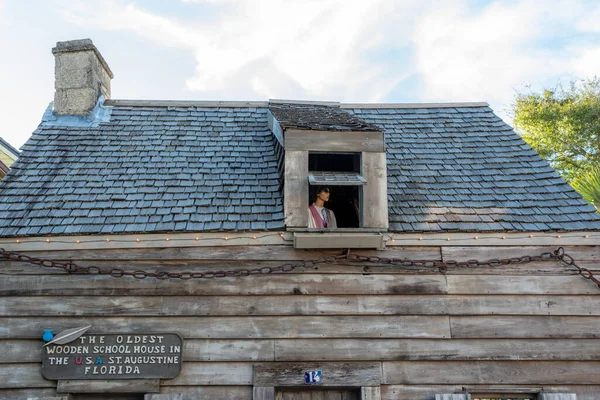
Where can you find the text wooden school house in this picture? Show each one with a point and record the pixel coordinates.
(160, 250)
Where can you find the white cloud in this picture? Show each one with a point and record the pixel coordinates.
(315, 47)
(488, 54)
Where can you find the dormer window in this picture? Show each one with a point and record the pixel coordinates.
(327, 146)
(340, 173)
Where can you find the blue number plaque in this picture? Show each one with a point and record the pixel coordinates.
(313, 377)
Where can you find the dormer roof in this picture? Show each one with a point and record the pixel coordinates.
(317, 117)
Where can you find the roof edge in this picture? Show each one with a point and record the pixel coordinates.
(305, 102)
(414, 105)
(9, 147)
(183, 103)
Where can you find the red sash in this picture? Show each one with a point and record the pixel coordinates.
(317, 216)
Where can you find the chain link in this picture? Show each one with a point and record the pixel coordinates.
(441, 266)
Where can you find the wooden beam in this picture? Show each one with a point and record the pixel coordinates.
(375, 194)
(333, 141)
(146, 241)
(334, 240)
(334, 374)
(501, 239)
(295, 189)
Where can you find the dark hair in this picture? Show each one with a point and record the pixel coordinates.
(322, 189)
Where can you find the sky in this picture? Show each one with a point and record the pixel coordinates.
(351, 51)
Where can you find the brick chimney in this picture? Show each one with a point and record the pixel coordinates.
(81, 76)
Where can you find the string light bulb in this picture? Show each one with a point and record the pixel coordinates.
(78, 241)
(137, 240)
(167, 239)
(107, 240)
(476, 237)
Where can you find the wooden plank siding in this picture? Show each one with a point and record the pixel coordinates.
(515, 327)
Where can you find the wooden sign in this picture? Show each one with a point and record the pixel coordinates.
(114, 356)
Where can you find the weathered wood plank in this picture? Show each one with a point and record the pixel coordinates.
(525, 327)
(478, 284)
(213, 374)
(23, 376)
(370, 393)
(426, 349)
(247, 327)
(579, 253)
(334, 374)
(82, 305)
(333, 141)
(108, 386)
(374, 203)
(274, 284)
(301, 305)
(26, 351)
(263, 393)
(492, 372)
(246, 253)
(295, 197)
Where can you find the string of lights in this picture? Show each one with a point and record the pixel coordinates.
(390, 238)
(140, 239)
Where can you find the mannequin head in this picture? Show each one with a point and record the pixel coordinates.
(322, 196)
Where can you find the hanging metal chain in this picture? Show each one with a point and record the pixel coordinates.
(567, 259)
(441, 266)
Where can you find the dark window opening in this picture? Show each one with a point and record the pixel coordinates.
(335, 162)
(345, 192)
(344, 202)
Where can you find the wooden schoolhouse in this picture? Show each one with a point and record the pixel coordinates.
(160, 250)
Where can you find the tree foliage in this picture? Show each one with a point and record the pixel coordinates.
(588, 185)
(563, 126)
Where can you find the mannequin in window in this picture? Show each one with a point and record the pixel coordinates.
(318, 215)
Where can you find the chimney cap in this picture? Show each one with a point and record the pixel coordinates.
(81, 45)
